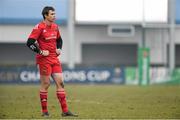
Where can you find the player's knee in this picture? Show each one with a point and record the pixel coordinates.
(46, 84)
(62, 84)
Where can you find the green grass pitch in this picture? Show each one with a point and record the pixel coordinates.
(93, 102)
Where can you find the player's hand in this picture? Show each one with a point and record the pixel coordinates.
(58, 52)
(45, 53)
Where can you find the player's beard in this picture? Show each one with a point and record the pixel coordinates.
(51, 20)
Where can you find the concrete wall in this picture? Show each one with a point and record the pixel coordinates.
(156, 39)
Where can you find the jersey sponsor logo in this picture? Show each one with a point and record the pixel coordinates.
(51, 37)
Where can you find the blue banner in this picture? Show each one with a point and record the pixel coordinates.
(80, 75)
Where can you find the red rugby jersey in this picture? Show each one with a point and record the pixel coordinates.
(46, 37)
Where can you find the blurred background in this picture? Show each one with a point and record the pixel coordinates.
(105, 41)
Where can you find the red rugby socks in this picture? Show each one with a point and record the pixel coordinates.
(61, 95)
(43, 99)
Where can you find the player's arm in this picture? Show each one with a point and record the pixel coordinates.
(59, 41)
(59, 44)
(31, 43)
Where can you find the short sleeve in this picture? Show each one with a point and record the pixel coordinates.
(35, 32)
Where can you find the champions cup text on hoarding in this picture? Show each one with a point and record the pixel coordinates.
(92, 75)
(98, 75)
(70, 76)
(29, 76)
(74, 75)
(83, 75)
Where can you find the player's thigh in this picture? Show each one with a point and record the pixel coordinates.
(45, 71)
(57, 73)
(57, 77)
(56, 67)
(45, 79)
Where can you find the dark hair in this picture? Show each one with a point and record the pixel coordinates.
(46, 10)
